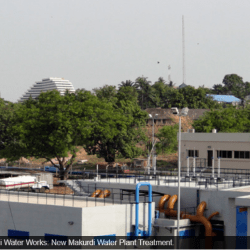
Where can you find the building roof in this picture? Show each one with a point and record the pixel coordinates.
(183, 85)
(224, 98)
(216, 137)
(193, 114)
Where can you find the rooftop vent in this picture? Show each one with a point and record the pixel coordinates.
(191, 131)
(214, 131)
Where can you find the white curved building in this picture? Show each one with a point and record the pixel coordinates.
(46, 84)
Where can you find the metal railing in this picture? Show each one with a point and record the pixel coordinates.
(229, 178)
(50, 197)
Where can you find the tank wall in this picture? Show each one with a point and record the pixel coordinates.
(39, 220)
(117, 219)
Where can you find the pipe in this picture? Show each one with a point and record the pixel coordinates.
(201, 208)
(199, 217)
(212, 215)
(96, 193)
(170, 209)
(104, 194)
(194, 164)
(137, 231)
(219, 167)
(162, 202)
(213, 164)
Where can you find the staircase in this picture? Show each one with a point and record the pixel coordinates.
(76, 187)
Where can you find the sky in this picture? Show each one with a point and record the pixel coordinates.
(92, 43)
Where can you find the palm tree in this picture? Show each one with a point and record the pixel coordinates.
(145, 92)
(171, 84)
(128, 83)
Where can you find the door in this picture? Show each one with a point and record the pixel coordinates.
(209, 158)
(241, 227)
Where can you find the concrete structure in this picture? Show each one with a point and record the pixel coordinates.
(46, 84)
(47, 214)
(232, 148)
(30, 214)
(229, 202)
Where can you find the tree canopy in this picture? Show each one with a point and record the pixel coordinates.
(53, 126)
(167, 136)
(7, 114)
(233, 85)
(224, 120)
(124, 123)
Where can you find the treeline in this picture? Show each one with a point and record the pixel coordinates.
(166, 95)
(160, 94)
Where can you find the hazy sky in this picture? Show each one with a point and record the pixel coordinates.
(98, 42)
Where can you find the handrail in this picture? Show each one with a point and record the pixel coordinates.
(137, 230)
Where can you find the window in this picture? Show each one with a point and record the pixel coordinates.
(224, 154)
(191, 153)
(241, 154)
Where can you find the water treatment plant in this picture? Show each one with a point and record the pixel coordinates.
(135, 205)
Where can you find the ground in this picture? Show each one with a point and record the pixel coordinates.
(59, 189)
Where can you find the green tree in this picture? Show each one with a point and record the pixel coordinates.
(160, 89)
(219, 89)
(7, 115)
(53, 126)
(128, 83)
(127, 93)
(107, 92)
(118, 131)
(235, 85)
(224, 120)
(167, 139)
(192, 98)
(147, 95)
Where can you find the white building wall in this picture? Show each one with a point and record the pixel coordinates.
(46, 84)
(117, 219)
(40, 219)
(224, 201)
(216, 141)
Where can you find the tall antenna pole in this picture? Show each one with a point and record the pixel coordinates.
(169, 74)
(183, 51)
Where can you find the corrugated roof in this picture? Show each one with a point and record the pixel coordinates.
(224, 98)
